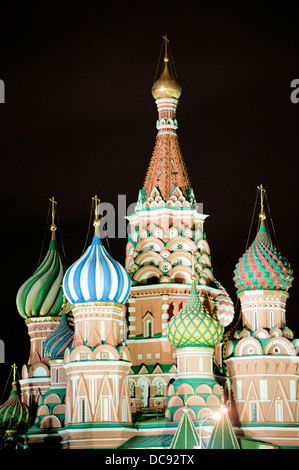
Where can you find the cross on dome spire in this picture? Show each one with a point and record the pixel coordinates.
(166, 41)
(262, 214)
(53, 227)
(96, 222)
(167, 168)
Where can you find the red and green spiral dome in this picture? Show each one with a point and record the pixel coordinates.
(262, 266)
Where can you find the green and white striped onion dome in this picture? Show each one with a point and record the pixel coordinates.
(42, 293)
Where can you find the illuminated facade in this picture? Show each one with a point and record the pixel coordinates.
(154, 339)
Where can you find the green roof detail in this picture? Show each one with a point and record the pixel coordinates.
(223, 435)
(186, 436)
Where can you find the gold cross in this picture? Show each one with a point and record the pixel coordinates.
(14, 370)
(262, 190)
(53, 202)
(166, 41)
(185, 400)
(193, 254)
(97, 202)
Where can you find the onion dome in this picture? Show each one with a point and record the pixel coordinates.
(42, 293)
(12, 407)
(225, 308)
(262, 266)
(96, 277)
(194, 325)
(57, 342)
(166, 86)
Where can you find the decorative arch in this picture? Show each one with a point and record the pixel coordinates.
(203, 246)
(206, 272)
(195, 400)
(172, 232)
(125, 353)
(49, 422)
(144, 384)
(248, 346)
(217, 390)
(129, 263)
(204, 412)
(146, 255)
(204, 260)
(175, 401)
(213, 400)
(146, 272)
(105, 350)
(185, 389)
(52, 398)
(261, 333)
(145, 243)
(39, 370)
(43, 410)
(279, 346)
(81, 353)
(59, 409)
(185, 256)
(178, 414)
(180, 274)
(181, 243)
(203, 388)
(129, 249)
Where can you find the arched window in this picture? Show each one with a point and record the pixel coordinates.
(148, 325)
(148, 328)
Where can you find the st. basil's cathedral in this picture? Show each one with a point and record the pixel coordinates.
(154, 354)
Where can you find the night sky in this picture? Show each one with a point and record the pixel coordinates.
(79, 120)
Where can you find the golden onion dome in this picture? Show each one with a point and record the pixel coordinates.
(166, 86)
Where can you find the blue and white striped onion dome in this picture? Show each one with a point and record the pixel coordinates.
(57, 341)
(96, 277)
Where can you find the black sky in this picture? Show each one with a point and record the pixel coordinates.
(79, 120)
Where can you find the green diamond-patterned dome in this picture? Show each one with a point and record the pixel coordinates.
(194, 325)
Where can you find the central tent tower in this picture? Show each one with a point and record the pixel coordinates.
(166, 232)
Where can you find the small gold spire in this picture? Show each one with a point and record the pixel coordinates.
(96, 222)
(185, 401)
(262, 214)
(53, 210)
(222, 395)
(166, 41)
(14, 373)
(64, 304)
(193, 276)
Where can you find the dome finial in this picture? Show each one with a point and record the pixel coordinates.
(166, 41)
(262, 214)
(14, 373)
(53, 227)
(193, 276)
(166, 86)
(96, 222)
